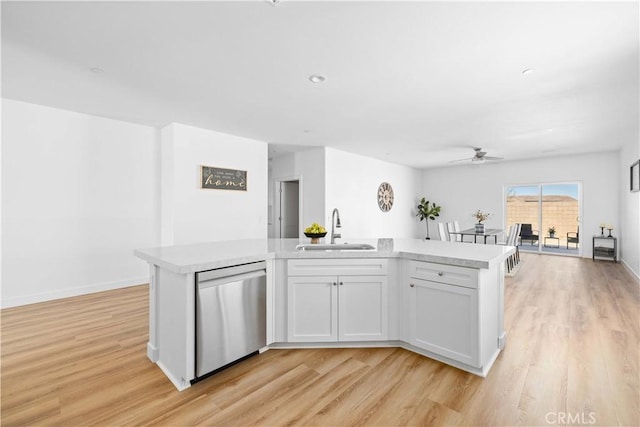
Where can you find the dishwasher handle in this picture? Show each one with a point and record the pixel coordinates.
(204, 284)
(204, 276)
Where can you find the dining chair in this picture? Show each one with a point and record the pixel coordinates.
(511, 240)
(505, 242)
(450, 230)
(452, 227)
(515, 242)
(442, 231)
(507, 237)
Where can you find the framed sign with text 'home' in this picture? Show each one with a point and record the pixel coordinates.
(223, 179)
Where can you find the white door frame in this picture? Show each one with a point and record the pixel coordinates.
(276, 210)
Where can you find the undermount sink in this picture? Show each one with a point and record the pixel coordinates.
(335, 247)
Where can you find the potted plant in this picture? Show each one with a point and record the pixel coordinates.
(552, 231)
(480, 218)
(427, 211)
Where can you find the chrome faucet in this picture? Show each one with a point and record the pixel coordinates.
(335, 224)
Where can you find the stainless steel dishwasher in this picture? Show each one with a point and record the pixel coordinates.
(230, 315)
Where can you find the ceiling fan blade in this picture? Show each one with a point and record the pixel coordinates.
(493, 158)
(461, 160)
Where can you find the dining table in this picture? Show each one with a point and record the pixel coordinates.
(488, 232)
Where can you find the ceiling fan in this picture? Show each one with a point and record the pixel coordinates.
(478, 158)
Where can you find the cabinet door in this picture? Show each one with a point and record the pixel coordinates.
(312, 309)
(444, 320)
(363, 308)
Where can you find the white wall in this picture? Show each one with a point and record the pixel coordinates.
(309, 167)
(191, 214)
(629, 238)
(352, 184)
(79, 193)
(462, 190)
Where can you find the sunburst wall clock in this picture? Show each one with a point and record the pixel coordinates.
(385, 197)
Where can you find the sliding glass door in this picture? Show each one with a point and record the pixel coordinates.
(549, 214)
(523, 207)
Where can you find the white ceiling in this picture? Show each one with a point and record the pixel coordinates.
(415, 83)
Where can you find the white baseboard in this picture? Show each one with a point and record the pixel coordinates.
(72, 292)
(179, 383)
(502, 340)
(153, 353)
(630, 270)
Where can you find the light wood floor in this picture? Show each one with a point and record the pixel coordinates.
(572, 357)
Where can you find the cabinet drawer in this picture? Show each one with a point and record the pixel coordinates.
(338, 267)
(449, 274)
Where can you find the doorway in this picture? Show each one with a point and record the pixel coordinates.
(552, 211)
(288, 196)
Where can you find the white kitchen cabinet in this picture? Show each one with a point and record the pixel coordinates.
(363, 310)
(444, 312)
(313, 303)
(344, 307)
(444, 320)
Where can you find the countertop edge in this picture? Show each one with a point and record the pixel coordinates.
(203, 266)
(225, 262)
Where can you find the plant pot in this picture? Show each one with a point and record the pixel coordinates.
(552, 234)
(479, 228)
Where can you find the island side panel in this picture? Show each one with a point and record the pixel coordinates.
(189, 338)
(494, 276)
(176, 326)
(488, 290)
(270, 301)
(502, 335)
(280, 318)
(152, 344)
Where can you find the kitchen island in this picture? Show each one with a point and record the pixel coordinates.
(444, 300)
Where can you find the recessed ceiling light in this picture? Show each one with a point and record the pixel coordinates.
(96, 70)
(527, 71)
(316, 78)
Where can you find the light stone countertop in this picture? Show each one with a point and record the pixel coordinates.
(192, 258)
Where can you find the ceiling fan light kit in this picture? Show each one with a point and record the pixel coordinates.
(479, 158)
(317, 78)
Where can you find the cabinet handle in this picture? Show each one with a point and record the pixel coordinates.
(334, 283)
(412, 285)
(341, 283)
(440, 273)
